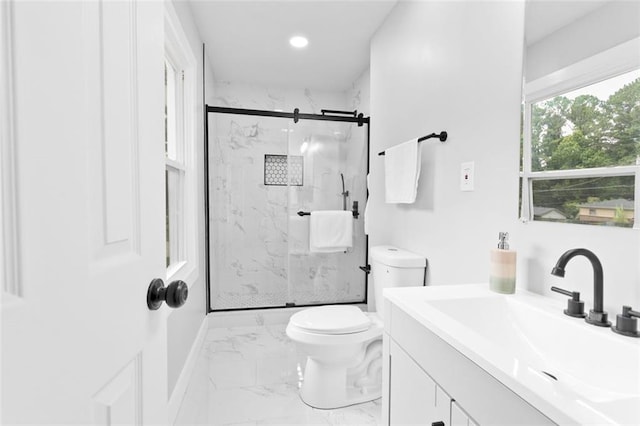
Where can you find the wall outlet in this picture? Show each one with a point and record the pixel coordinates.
(466, 176)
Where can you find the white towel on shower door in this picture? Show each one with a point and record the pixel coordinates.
(330, 231)
(401, 172)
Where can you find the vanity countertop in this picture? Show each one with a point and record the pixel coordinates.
(573, 372)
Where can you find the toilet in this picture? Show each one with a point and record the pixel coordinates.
(343, 344)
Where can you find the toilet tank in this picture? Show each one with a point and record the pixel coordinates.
(394, 267)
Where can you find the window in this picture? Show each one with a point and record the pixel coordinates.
(175, 167)
(581, 142)
(179, 146)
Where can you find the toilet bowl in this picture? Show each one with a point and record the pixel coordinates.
(343, 346)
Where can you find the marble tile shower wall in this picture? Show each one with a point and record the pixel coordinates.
(259, 246)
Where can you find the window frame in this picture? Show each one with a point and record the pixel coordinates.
(607, 64)
(178, 53)
(10, 277)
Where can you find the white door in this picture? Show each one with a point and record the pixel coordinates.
(83, 209)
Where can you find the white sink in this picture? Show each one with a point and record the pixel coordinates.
(571, 371)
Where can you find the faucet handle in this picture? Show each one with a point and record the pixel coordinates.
(575, 306)
(626, 322)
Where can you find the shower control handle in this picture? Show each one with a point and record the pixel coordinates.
(175, 294)
(354, 210)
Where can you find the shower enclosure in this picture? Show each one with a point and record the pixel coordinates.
(265, 169)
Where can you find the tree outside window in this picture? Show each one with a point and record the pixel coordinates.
(585, 148)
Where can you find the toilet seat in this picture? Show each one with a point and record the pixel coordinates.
(315, 337)
(331, 320)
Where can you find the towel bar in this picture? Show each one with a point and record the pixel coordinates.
(354, 211)
(442, 136)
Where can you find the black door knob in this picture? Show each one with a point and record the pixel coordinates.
(175, 294)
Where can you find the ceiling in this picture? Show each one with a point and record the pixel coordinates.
(247, 41)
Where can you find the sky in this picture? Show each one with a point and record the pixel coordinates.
(605, 88)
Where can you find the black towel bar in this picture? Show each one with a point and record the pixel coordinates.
(354, 211)
(442, 136)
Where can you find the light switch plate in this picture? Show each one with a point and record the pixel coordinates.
(466, 176)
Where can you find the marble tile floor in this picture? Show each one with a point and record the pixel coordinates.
(251, 376)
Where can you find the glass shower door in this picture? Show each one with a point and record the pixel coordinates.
(331, 153)
(248, 211)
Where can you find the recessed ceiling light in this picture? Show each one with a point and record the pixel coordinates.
(298, 41)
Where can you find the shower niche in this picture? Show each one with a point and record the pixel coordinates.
(263, 168)
(283, 170)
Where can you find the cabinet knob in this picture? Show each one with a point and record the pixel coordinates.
(437, 424)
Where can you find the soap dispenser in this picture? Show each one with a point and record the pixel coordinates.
(502, 271)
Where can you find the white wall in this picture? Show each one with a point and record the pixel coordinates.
(183, 324)
(461, 73)
(604, 28)
(453, 66)
(540, 244)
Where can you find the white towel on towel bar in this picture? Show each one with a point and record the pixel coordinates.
(330, 231)
(401, 172)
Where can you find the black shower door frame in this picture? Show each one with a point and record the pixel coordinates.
(296, 115)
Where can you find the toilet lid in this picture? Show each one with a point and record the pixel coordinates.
(331, 320)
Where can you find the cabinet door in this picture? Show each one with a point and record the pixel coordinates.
(458, 417)
(412, 396)
(442, 413)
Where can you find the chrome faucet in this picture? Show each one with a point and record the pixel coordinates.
(597, 315)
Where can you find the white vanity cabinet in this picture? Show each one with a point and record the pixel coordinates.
(426, 381)
(415, 399)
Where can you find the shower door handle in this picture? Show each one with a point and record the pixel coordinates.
(175, 294)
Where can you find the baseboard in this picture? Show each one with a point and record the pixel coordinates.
(180, 389)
